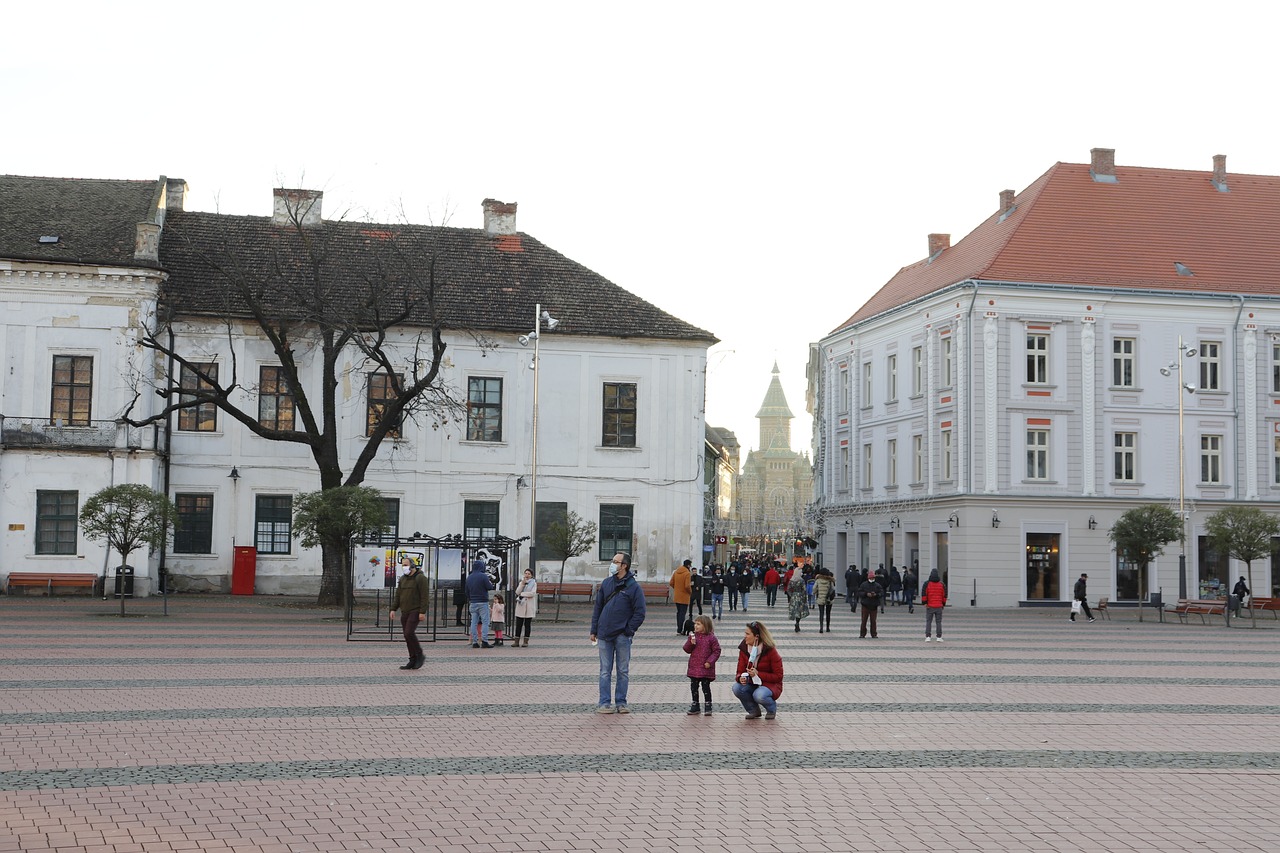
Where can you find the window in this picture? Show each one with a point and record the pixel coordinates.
(1210, 365)
(844, 389)
(891, 391)
(948, 374)
(917, 370)
(1122, 362)
(1210, 459)
(72, 390)
(202, 417)
(56, 514)
(866, 384)
(946, 454)
(846, 472)
(917, 458)
(1275, 368)
(615, 529)
(866, 466)
(619, 416)
(1126, 469)
(1275, 461)
(381, 393)
(275, 403)
(480, 519)
(549, 513)
(484, 408)
(1037, 454)
(1037, 358)
(194, 533)
(892, 459)
(273, 524)
(391, 532)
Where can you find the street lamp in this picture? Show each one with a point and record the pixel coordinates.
(1185, 352)
(540, 318)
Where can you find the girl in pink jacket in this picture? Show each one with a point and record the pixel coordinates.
(703, 650)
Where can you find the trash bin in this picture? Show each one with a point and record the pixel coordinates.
(1233, 604)
(244, 569)
(124, 581)
(1156, 599)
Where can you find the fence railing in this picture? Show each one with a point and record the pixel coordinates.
(56, 434)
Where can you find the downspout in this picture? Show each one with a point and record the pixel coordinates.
(106, 558)
(162, 566)
(968, 367)
(1235, 397)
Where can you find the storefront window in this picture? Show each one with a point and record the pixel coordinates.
(1214, 568)
(1042, 567)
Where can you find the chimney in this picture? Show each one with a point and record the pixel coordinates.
(1006, 204)
(175, 194)
(937, 243)
(300, 206)
(1103, 167)
(499, 216)
(146, 242)
(1220, 173)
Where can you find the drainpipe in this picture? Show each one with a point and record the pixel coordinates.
(106, 558)
(968, 367)
(162, 566)
(1235, 397)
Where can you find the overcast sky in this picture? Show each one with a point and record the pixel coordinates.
(757, 169)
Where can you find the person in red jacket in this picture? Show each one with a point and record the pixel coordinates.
(934, 599)
(759, 675)
(771, 581)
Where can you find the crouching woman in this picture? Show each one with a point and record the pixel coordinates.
(759, 675)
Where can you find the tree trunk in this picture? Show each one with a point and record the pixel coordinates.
(333, 558)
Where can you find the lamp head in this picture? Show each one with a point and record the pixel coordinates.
(1164, 371)
(524, 340)
(551, 322)
(1191, 352)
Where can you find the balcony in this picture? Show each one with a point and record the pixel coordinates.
(41, 433)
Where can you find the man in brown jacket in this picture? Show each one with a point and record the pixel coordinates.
(410, 599)
(682, 587)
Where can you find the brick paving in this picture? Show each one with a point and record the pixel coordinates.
(243, 724)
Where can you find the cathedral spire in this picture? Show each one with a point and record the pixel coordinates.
(775, 416)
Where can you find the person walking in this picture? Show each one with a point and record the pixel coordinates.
(934, 598)
(1081, 594)
(910, 584)
(797, 600)
(618, 613)
(526, 608)
(824, 592)
(771, 581)
(717, 593)
(703, 650)
(759, 679)
(882, 578)
(1241, 592)
(410, 598)
(746, 579)
(731, 581)
(851, 581)
(870, 596)
(683, 586)
(895, 585)
(478, 588)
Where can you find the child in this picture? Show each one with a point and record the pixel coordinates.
(497, 612)
(703, 650)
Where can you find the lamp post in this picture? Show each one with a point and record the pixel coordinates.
(540, 318)
(1184, 352)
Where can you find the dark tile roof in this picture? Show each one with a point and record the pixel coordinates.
(485, 283)
(95, 221)
(1068, 229)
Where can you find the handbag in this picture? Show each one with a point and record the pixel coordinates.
(1076, 607)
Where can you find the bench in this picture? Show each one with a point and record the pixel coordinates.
(52, 580)
(653, 591)
(1266, 605)
(1196, 607)
(556, 590)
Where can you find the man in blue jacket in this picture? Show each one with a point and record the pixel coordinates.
(478, 588)
(618, 614)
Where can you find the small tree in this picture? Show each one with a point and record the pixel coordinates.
(1140, 535)
(333, 517)
(568, 538)
(1243, 533)
(128, 516)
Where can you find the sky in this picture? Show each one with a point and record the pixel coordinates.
(756, 169)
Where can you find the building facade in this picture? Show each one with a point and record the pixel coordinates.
(124, 262)
(994, 408)
(776, 483)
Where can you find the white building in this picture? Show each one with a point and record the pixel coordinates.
(620, 423)
(995, 407)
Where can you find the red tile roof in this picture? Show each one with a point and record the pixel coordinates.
(1068, 229)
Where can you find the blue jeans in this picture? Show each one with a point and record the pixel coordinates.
(479, 617)
(717, 605)
(752, 697)
(615, 652)
(744, 601)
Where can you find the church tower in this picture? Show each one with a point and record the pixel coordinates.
(776, 482)
(775, 417)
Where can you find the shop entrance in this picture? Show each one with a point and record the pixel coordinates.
(1044, 582)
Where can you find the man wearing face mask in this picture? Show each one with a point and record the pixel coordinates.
(618, 614)
(410, 598)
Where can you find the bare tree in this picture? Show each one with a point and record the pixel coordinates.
(568, 538)
(319, 293)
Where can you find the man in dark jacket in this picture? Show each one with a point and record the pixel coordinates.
(478, 588)
(870, 594)
(1082, 596)
(410, 598)
(850, 585)
(618, 614)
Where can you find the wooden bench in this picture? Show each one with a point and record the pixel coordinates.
(1266, 605)
(1196, 607)
(52, 580)
(557, 590)
(653, 591)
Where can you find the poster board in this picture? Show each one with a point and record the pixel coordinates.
(377, 567)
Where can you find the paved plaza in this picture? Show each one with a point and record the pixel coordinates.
(253, 724)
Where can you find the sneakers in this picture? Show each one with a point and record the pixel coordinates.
(754, 715)
(939, 639)
(604, 709)
(484, 645)
(694, 710)
(771, 715)
(928, 639)
(477, 645)
(623, 709)
(1091, 619)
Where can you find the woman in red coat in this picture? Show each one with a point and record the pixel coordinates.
(759, 673)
